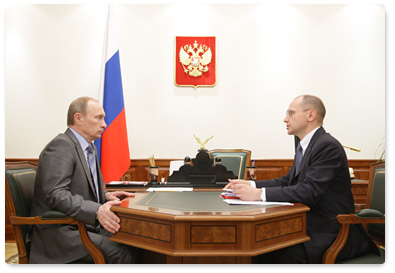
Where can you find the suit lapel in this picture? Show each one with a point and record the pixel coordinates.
(83, 162)
(321, 131)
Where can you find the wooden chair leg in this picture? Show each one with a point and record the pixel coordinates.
(332, 252)
(95, 252)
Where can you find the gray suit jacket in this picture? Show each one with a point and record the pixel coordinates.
(63, 183)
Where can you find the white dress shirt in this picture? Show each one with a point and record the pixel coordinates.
(83, 143)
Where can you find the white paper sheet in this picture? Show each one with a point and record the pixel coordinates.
(260, 203)
(142, 183)
(173, 189)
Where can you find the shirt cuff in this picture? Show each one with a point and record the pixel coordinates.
(263, 193)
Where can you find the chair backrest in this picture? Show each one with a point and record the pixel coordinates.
(20, 178)
(376, 198)
(235, 160)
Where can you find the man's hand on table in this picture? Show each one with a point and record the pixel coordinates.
(108, 219)
(243, 190)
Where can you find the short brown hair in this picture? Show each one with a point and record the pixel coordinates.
(79, 105)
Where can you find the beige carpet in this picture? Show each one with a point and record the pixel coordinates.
(11, 253)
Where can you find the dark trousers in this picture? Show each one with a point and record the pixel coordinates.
(295, 254)
(114, 253)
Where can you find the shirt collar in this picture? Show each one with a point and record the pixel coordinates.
(304, 143)
(83, 142)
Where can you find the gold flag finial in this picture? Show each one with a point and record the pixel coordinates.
(352, 149)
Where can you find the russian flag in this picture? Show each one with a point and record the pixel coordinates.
(112, 147)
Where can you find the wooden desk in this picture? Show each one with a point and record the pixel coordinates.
(198, 227)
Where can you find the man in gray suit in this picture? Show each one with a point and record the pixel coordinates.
(66, 183)
(318, 178)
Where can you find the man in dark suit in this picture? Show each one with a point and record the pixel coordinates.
(318, 178)
(65, 182)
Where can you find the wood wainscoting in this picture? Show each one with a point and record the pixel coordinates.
(266, 169)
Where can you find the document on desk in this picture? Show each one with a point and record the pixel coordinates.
(135, 183)
(241, 202)
(172, 189)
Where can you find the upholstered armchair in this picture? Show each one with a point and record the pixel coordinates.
(19, 189)
(373, 219)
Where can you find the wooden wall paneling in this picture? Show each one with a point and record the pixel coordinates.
(270, 169)
(361, 167)
(138, 170)
(266, 168)
(359, 190)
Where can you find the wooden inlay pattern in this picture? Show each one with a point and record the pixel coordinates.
(278, 228)
(147, 229)
(213, 234)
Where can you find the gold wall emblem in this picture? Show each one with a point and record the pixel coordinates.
(194, 59)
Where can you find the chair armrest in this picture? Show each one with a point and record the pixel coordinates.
(54, 215)
(367, 216)
(58, 217)
(40, 220)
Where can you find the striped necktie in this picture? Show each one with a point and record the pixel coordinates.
(298, 158)
(93, 169)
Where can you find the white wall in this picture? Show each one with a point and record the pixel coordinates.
(266, 55)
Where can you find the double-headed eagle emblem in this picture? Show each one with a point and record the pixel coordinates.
(202, 143)
(194, 59)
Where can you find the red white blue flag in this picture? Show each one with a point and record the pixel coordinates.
(112, 147)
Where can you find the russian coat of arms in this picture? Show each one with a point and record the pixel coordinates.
(195, 61)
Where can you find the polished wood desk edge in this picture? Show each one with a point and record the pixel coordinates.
(296, 209)
(193, 253)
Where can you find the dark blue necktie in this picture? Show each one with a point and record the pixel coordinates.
(93, 169)
(298, 158)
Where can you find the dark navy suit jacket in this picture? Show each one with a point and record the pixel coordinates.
(323, 183)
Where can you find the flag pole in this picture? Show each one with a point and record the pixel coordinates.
(104, 57)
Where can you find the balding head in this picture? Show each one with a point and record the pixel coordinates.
(313, 103)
